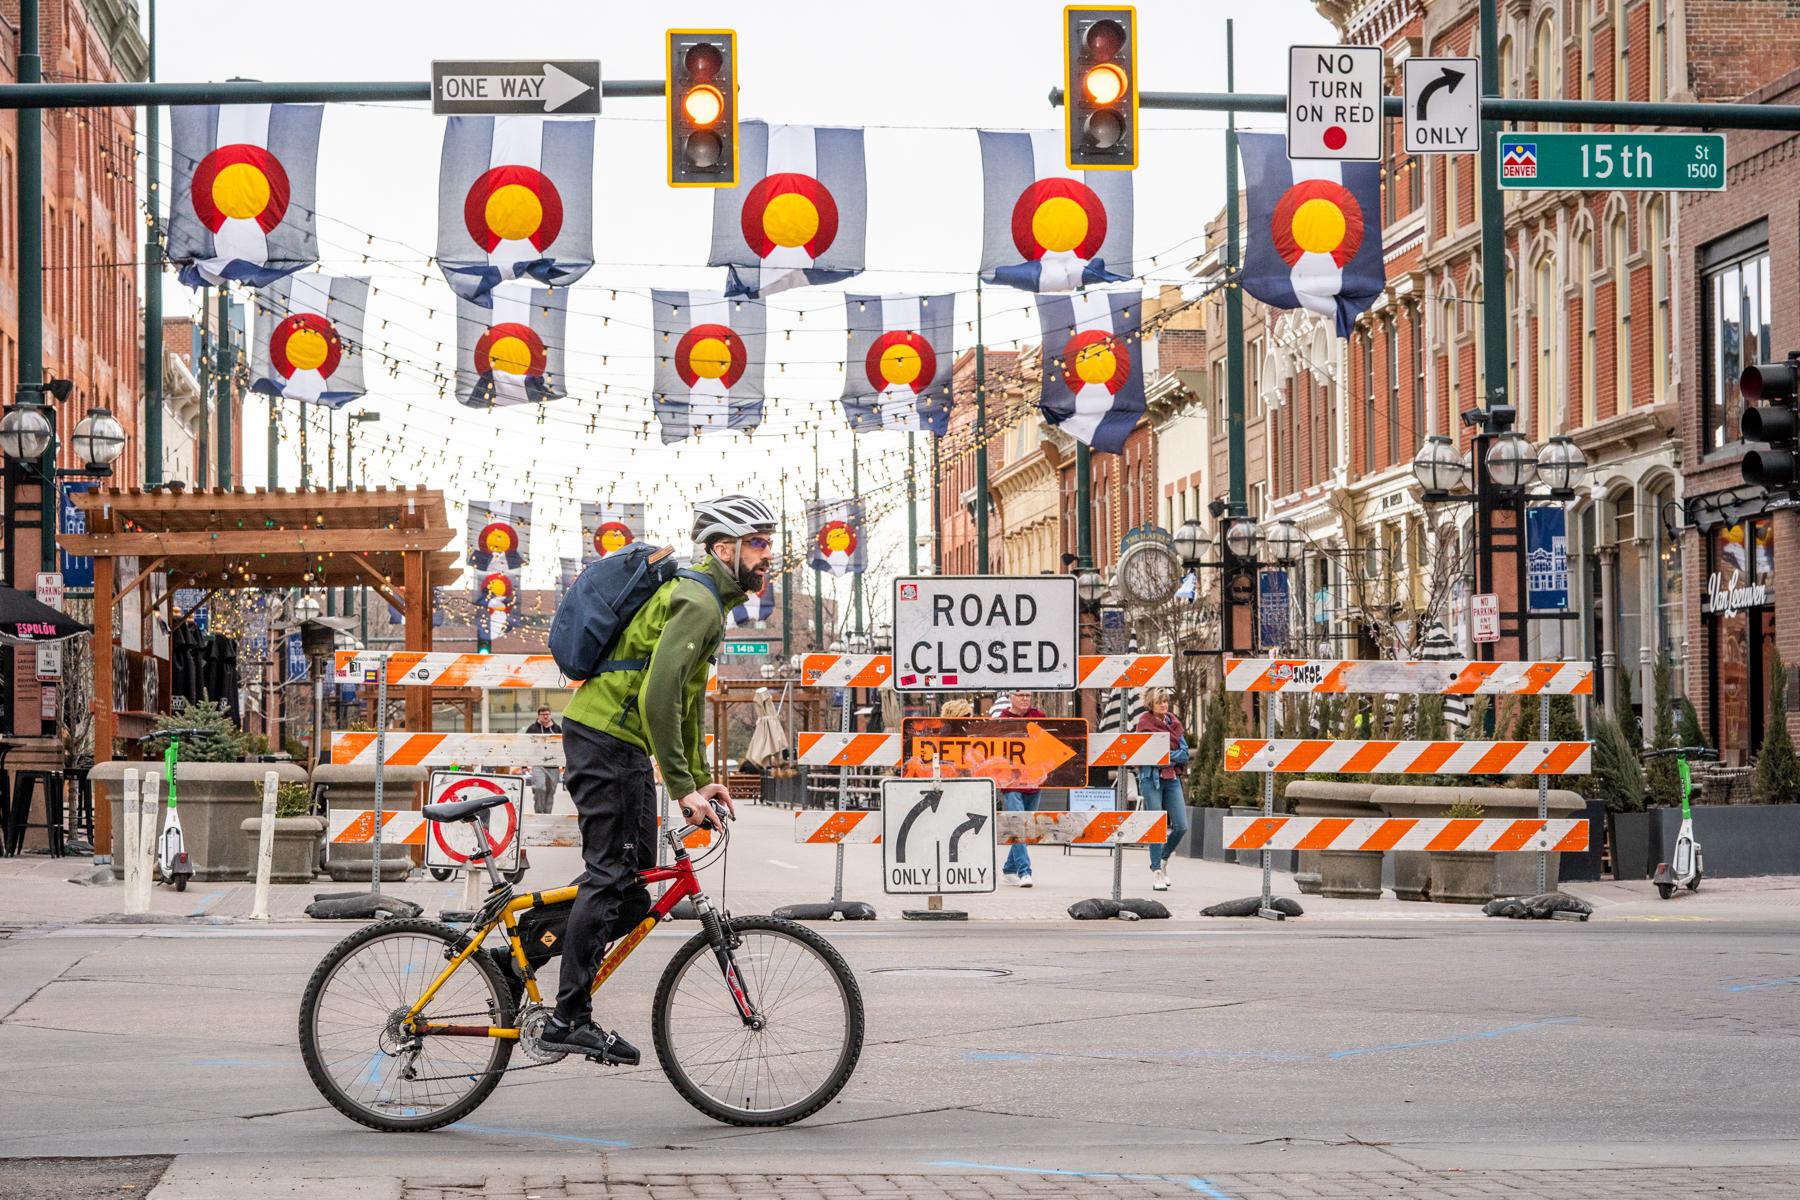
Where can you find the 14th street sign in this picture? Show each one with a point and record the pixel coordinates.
(532, 86)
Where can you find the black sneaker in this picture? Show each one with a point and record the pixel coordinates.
(588, 1038)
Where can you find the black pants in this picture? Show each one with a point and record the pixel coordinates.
(615, 797)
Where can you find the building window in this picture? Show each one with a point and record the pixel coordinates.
(1621, 53)
(1549, 390)
(1590, 343)
(1620, 250)
(1671, 630)
(1514, 396)
(1734, 326)
(1452, 365)
(1393, 381)
(1544, 58)
(1739, 618)
(1659, 50)
(1449, 161)
(1368, 381)
(1256, 377)
(1477, 325)
(1659, 300)
(1506, 67)
(1415, 330)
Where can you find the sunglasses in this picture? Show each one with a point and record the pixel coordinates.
(759, 543)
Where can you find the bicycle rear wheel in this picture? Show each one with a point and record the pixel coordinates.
(797, 1062)
(352, 1045)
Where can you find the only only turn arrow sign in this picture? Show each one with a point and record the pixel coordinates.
(497, 87)
(1443, 105)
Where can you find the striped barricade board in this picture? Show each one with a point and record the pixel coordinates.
(1487, 834)
(1132, 826)
(445, 668)
(356, 827)
(1450, 677)
(1286, 755)
(1094, 670)
(883, 749)
(405, 749)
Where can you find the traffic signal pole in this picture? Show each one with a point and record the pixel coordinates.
(1234, 352)
(153, 297)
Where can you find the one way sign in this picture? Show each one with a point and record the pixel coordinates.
(1443, 105)
(937, 836)
(532, 86)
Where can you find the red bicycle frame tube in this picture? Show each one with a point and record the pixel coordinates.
(682, 883)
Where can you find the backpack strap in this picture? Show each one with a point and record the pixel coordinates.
(642, 664)
(711, 584)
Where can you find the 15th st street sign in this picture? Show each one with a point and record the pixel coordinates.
(1613, 162)
(532, 86)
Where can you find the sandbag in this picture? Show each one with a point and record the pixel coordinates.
(1537, 908)
(1249, 906)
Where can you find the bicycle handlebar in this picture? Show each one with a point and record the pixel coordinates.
(1700, 752)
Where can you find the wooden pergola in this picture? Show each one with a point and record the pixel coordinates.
(392, 541)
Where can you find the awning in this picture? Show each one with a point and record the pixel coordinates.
(24, 620)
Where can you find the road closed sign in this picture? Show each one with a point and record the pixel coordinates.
(450, 843)
(982, 633)
(937, 836)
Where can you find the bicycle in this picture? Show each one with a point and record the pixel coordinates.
(769, 1041)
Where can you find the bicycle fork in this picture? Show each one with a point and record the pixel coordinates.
(720, 936)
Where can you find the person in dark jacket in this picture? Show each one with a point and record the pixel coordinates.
(544, 780)
(1161, 786)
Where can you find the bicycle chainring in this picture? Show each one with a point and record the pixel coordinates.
(531, 1028)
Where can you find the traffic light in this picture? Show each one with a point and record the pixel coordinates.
(1100, 92)
(703, 119)
(1775, 423)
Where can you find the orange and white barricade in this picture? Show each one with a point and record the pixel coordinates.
(1289, 755)
(1099, 828)
(432, 668)
(1095, 671)
(406, 749)
(1453, 677)
(356, 827)
(1494, 835)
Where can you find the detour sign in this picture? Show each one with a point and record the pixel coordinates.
(1015, 752)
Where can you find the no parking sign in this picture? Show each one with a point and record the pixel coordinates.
(450, 843)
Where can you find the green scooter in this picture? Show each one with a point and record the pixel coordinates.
(1688, 865)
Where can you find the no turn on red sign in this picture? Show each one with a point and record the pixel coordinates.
(449, 843)
(1334, 103)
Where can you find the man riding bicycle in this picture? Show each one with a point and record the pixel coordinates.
(650, 703)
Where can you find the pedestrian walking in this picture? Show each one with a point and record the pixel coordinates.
(1161, 786)
(544, 780)
(1019, 798)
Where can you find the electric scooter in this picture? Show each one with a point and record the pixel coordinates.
(1688, 865)
(173, 866)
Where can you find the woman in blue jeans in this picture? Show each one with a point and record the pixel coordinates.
(1161, 786)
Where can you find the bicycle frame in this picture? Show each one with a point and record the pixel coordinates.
(683, 883)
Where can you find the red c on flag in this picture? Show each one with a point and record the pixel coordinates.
(710, 352)
(240, 182)
(305, 342)
(1058, 215)
(900, 357)
(612, 536)
(1096, 357)
(510, 348)
(1317, 216)
(789, 209)
(513, 203)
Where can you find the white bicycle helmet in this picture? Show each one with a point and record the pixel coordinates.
(733, 516)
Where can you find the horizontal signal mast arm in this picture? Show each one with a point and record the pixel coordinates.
(1500, 108)
(251, 91)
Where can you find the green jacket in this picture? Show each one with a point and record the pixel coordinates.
(660, 709)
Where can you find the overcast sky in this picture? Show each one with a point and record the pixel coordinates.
(920, 77)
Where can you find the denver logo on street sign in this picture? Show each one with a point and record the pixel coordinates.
(1014, 752)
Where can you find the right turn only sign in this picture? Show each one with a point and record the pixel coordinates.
(1443, 106)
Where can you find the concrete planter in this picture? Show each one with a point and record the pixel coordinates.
(352, 787)
(1345, 874)
(214, 800)
(1412, 868)
(1459, 877)
(297, 841)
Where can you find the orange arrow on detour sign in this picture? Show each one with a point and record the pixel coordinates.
(1014, 752)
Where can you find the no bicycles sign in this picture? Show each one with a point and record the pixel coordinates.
(450, 843)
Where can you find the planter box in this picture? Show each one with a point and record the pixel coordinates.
(1344, 874)
(1412, 868)
(297, 841)
(214, 800)
(1736, 840)
(353, 787)
(1461, 877)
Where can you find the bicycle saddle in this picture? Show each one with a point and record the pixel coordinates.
(456, 810)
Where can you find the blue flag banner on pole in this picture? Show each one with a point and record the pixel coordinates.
(709, 362)
(245, 191)
(1045, 228)
(1314, 231)
(1547, 558)
(310, 338)
(515, 201)
(800, 212)
(897, 363)
(1092, 377)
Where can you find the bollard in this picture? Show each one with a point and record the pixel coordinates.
(265, 848)
(147, 859)
(134, 820)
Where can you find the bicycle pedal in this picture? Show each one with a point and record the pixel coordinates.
(615, 1059)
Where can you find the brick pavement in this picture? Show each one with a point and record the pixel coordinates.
(1719, 1183)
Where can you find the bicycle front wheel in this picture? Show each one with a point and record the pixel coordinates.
(811, 1035)
(358, 1055)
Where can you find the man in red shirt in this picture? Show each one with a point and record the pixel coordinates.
(1019, 799)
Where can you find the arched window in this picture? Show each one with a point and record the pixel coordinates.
(1449, 196)
(1656, 235)
(1590, 347)
(1544, 60)
(1659, 49)
(1392, 327)
(1513, 394)
(1415, 332)
(1368, 382)
(1507, 87)
(1479, 374)
(1549, 389)
(1619, 248)
(1452, 383)
(1621, 53)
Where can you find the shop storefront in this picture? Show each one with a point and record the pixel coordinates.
(1738, 620)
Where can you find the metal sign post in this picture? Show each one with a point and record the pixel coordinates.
(1543, 790)
(380, 777)
(1268, 909)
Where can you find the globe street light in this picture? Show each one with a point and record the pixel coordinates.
(1285, 541)
(99, 440)
(1439, 467)
(1241, 536)
(26, 432)
(1191, 543)
(1512, 462)
(1559, 464)
(1089, 587)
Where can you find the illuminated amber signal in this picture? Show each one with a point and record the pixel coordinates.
(1100, 93)
(702, 107)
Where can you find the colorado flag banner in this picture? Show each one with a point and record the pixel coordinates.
(800, 212)
(511, 353)
(499, 534)
(309, 339)
(245, 188)
(1045, 228)
(1315, 231)
(609, 526)
(515, 201)
(1093, 376)
(756, 609)
(837, 537)
(897, 365)
(709, 362)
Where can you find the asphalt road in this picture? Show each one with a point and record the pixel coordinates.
(1228, 1054)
